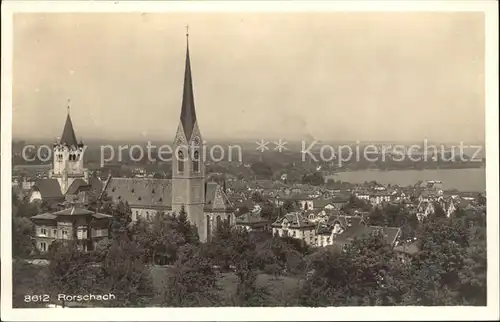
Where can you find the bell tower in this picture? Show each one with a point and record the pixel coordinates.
(188, 170)
(68, 157)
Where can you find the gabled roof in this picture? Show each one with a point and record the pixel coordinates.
(101, 216)
(157, 193)
(215, 198)
(141, 192)
(322, 203)
(341, 198)
(48, 188)
(210, 191)
(245, 203)
(250, 218)
(77, 211)
(47, 216)
(352, 225)
(300, 196)
(295, 220)
(96, 184)
(76, 186)
(350, 233)
(390, 233)
(72, 211)
(463, 203)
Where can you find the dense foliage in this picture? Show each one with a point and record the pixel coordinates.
(241, 268)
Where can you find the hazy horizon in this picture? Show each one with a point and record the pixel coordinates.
(386, 77)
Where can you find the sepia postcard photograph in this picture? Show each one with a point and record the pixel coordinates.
(234, 161)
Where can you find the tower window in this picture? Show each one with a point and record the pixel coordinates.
(196, 161)
(180, 161)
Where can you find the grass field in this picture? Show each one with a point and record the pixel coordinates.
(30, 279)
(280, 289)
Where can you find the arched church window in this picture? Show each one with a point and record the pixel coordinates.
(218, 223)
(180, 161)
(196, 161)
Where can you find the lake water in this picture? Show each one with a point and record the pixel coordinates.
(460, 179)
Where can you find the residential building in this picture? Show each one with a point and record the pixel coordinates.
(342, 230)
(295, 225)
(252, 221)
(74, 223)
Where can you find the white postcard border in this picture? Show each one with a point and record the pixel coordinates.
(490, 10)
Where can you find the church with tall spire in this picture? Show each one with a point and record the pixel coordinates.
(68, 158)
(205, 203)
(68, 178)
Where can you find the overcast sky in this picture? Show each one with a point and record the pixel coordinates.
(335, 76)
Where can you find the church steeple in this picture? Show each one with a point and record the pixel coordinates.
(68, 158)
(68, 136)
(188, 112)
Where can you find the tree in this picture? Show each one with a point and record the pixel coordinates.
(376, 218)
(360, 275)
(124, 274)
(162, 237)
(159, 240)
(269, 212)
(233, 247)
(356, 203)
(182, 225)
(262, 170)
(450, 268)
(26, 209)
(257, 197)
(314, 179)
(69, 271)
(438, 211)
(473, 276)
(480, 199)
(22, 230)
(115, 267)
(192, 282)
(290, 206)
(122, 218)
(27, 280)
(273, 269)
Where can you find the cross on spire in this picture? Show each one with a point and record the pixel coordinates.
(187, 31)
(69, 103)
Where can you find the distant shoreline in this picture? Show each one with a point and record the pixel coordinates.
(461, 179)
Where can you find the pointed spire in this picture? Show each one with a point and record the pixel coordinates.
(68, 136)
(188, 113)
